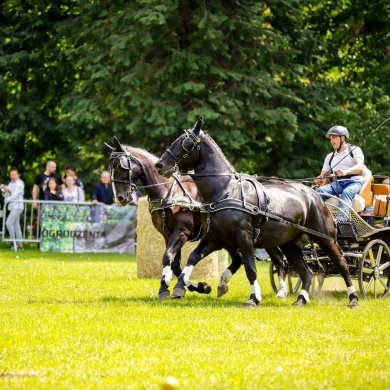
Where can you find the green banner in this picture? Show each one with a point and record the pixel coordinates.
(81, 228)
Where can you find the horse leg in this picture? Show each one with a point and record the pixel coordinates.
(293, 252)
(203, 249)
(245, 240)
(200, 288)
(229, 272)
(276, 256)
(171, 261)
(331, 250)
(166, 277)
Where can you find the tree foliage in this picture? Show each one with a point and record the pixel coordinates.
(268, 77)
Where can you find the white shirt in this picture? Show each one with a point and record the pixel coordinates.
(344, 160)
(16, 192)
(76, 196)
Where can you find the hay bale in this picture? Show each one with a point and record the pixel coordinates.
(151, 247)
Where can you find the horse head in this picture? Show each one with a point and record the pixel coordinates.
(183, 153)
(121, 171)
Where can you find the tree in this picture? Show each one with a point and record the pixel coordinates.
(147, 69)
(355, 59)
(268, 77)
(36, 75)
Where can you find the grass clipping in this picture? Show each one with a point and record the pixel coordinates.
(151, 248)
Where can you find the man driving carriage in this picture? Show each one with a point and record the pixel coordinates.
(345, 165)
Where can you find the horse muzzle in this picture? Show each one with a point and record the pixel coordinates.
(163, 171)
(123, 200)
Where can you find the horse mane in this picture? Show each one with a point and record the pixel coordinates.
(227, 162)
(136, 152)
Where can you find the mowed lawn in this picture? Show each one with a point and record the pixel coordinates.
(85, 321)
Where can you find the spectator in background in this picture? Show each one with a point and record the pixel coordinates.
(102, 192)
(53, 191)
(13, 194)
(70, 170)
(42, 179)
(71, 192)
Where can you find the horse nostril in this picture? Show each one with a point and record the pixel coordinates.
(158, 165)
(120, 198)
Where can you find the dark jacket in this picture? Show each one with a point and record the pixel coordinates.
(47, 195)
(103, 194)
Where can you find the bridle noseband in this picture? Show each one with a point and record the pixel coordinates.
(190, 142)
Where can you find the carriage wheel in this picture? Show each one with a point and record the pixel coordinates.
(317, 282)
(293, 280)
(374, 269)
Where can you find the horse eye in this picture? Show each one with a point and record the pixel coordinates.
(187, 143)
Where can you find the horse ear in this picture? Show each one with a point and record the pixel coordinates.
(110, 148)
(118, 145)
(198, 125)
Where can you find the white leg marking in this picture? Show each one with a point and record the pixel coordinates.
(225, 277)
(167, 275)
(187, 271)
(282, 289)
(351, 290)
(255, 289)
(305, 295)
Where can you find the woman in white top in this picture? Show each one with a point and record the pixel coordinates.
(13, 193)
(72, 193)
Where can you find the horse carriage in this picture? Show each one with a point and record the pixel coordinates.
(238, 213)
(365, 246)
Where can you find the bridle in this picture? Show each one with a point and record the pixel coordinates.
(189, 143)
(125, 160)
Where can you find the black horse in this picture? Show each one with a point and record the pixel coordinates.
(240, 214)
(173, 204)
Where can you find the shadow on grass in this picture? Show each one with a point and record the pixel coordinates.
(188, 301)
(35, 254)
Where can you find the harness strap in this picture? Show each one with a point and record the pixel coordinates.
(228, 204)
(334, 152)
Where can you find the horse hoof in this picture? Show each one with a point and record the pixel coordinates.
(353, 303)
(222, 290)
(204, 288)
(353, 300)
(301, 301)
(178, 293)
(281, 294)
(163, 295)
(251, 303)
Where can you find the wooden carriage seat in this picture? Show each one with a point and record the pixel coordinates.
(365, 197)
(380, 189)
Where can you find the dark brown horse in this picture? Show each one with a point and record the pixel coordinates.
(239, 214)
(173, 205)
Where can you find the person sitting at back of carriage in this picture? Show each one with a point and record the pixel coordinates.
(53, 191)
(346, 162)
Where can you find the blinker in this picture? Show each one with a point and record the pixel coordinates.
(187, 144)
(124, 163)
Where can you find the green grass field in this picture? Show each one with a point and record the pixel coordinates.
(87, 322)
